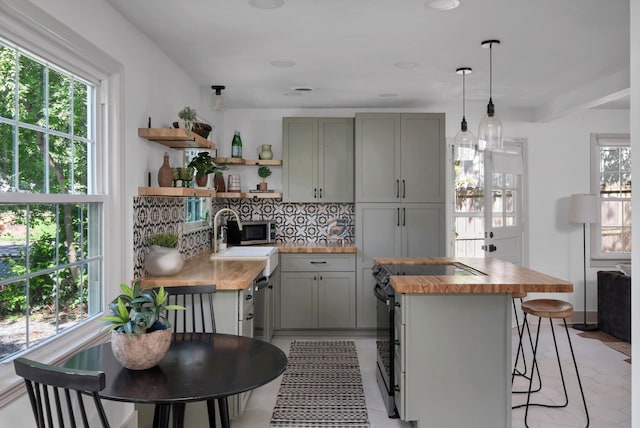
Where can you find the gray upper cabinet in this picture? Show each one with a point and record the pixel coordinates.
(400, 157)
(318, 160)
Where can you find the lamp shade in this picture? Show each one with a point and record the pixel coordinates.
(583, 208)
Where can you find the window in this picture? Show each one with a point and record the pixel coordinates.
(51, 214)
(197, 210)
(611, 180)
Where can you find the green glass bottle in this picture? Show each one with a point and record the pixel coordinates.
(236, 145)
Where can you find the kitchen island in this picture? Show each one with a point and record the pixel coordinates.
(453, 355)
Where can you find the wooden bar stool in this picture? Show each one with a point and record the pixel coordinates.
(520, 351)
(551, 308)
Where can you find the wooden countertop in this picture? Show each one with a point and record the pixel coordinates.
(500, 277)
(233, 274)
(201, 270)
(313, 247)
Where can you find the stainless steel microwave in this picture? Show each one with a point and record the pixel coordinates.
(252, 233)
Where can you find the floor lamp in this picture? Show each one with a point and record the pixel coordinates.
(584, 209)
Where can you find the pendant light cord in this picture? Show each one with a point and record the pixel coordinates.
(490, 70)
(464, 73)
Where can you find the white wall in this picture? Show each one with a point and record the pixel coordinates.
(635, 159)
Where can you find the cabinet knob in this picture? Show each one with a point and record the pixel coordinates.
(249, 317)
(396, 342)
(248, 297)
(396, 388)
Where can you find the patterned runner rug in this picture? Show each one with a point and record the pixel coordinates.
(321, 387)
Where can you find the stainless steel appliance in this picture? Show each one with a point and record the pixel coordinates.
(263, 295)
(386, 307)
(252, 233)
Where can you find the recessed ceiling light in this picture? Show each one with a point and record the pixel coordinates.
(266, 4)
(406, 65)
(388, 95)
(442, 4)
(283, 63)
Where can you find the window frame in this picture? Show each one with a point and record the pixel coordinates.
(27, 27)
(598, 140)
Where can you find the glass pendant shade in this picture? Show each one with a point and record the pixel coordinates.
(490, 131)
(465, 143)
(219, 104)
(490, 127)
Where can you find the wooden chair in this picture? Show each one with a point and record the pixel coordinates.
(50, 393)
(199, 317)
(551, 309)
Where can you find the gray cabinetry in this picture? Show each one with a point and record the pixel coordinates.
(400, 157)
(318, 158)
(317, 291)
(442, 381)
(400, 193)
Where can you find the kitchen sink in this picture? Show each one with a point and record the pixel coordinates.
(270, 254)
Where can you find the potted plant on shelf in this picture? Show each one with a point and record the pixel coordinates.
(263, 172)
(163, 258)
(190, 122)
(204, 165)
(140, 331)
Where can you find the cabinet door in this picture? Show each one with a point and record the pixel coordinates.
(336, 299)
(300, 159)
(298, 300)
(423, 230)
(366, 300)
(378, 232)
(377, 157)
(422, 154)
(335, 157)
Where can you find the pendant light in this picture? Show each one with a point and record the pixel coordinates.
(218, 99)
(490, 128)
(465, 142)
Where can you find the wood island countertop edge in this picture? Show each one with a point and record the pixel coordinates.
(500, 277)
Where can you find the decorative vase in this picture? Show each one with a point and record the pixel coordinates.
(165, 175)
(218, 183)
(140, 352)
(163, 261)
(265, 152)
(201, 180)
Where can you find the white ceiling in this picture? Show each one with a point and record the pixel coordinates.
(555, 55)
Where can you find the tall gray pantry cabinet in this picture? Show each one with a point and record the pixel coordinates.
(400, 194)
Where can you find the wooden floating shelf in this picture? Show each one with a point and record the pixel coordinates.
(245, 195)
(175, 138)
(239, 161)
(177, 191)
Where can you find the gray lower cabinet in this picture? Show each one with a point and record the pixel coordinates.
(317, 159)
(452, 359)
(317, 291)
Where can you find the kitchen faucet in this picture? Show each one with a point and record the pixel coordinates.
(215, 226)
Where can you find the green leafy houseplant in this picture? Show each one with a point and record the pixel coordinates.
(138, 311)
(168, 240)
(189, 116)
(264, 172)
(204, 164)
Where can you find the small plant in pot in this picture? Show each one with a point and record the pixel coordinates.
(191, 123)
(140, 331)
(163, 258)
(204, 165)
(264, 172)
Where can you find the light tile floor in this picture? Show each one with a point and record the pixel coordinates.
(606, 379)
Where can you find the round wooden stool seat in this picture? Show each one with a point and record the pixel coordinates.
(548, 308)
(520, 295)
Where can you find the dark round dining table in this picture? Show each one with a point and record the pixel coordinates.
(197, 367)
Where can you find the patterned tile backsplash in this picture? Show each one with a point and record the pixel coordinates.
(295, 222)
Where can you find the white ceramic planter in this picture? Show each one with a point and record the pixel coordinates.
(163, 261)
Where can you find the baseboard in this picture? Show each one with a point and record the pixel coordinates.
(323, 333)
